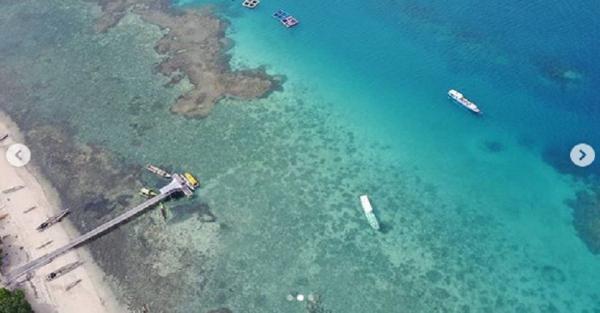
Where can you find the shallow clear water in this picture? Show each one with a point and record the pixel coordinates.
(473, 209)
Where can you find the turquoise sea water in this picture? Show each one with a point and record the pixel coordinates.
(494, 183)
(473, 209)
(383, 67)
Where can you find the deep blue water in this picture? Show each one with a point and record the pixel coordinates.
(508, 56)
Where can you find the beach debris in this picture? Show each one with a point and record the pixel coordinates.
(73, 284)
(30, 209)
(368, 210)
(286, 19)
(145, 309)
(13, 189)
(3, 216)
(3, 137)
(45, 244)
(32, 286)
(251, 4)
(53, 220)
(158, 171)
(63, 270)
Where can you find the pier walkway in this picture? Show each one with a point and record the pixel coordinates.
(177, 185)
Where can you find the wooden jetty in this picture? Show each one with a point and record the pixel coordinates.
(178, 184)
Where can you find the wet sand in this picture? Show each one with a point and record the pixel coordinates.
(83, 287)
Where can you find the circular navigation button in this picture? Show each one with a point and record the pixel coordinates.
(18, 155)
(583, 155)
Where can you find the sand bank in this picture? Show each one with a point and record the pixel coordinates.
(84, 289)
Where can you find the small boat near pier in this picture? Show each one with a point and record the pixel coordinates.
(158, 171)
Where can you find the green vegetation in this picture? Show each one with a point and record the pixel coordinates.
(13, 302)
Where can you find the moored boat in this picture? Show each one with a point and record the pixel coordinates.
(53, 220)
(158, 171)
(460, 99)
(368, 210)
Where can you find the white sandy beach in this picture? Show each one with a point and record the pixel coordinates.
(83, 289)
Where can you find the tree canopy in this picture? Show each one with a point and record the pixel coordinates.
(13, 302)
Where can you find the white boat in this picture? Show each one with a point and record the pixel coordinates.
(368, 210)
(460, 99)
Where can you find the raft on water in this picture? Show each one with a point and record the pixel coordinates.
(286, 19)
(251, 4)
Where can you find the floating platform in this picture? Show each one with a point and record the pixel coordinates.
(286, 19)
(251, 4)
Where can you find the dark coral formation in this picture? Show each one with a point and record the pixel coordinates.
(194, 44)
(586, 218)
(493, 146)
(89, 176)
(558, 72)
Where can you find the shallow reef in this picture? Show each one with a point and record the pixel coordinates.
(586, 217)
(195, 45)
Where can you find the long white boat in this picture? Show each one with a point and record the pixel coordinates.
(368, 210)
(460, 99)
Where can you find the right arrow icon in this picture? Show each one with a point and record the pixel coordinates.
(582, 155)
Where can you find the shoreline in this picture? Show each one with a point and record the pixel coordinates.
(84, 286)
